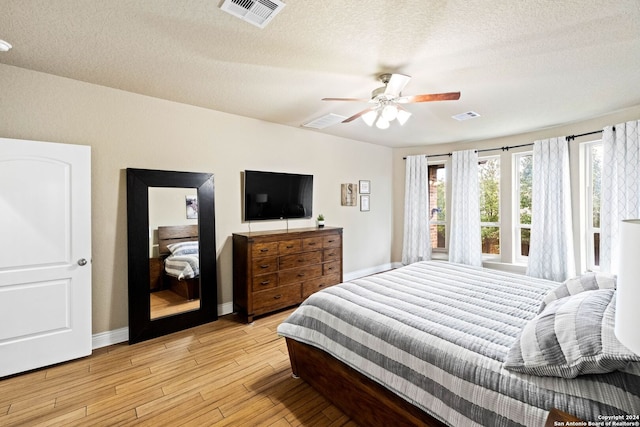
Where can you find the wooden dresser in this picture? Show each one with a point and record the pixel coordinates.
(280, 268)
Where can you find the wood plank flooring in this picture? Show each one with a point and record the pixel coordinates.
(167, 303)
(225, 373)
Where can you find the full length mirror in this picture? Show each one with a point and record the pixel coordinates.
(171, 251)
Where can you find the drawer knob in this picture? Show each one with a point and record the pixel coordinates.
(289, 246)
(330, 268)
(264, 266)
(277, 297)
(300, 274)
(312, 243)
(264, 250)
(266, 282)
(331, 241)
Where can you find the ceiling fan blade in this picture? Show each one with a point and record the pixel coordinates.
(358, 115)
(448, 96)
(346, 99)
(396, 83)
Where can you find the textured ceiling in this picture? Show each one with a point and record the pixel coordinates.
(521, 64)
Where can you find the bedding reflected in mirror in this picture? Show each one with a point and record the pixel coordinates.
(174, 262)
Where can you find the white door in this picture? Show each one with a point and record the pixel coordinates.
(45, 254)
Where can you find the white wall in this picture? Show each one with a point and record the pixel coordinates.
(506, 189)
(129, 130)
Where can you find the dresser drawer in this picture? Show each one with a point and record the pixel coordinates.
(289, 246)
(331, 254)
(272, 299)
(315, 285)
(300, 260)
(311, 243)
(264, 249)
(264, 265)
(331, 241)
(264, 281)
(299, 274)
(330, 268)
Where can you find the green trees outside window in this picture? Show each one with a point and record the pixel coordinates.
(489, 170)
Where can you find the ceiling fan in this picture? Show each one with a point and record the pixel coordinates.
(387, 101)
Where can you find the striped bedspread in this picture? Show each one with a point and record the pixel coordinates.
(183, 266)
(437, 334)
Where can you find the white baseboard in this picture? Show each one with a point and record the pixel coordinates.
(104, 339)
(369, 271)
(224, 309)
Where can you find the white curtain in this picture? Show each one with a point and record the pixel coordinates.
(416, 244)
(465, 244)
(551, 247)
(620, 187)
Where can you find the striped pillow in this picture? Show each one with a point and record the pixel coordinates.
(183, 248)
(572, 336)
(575, 285)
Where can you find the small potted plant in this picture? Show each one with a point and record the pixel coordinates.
(320, 221)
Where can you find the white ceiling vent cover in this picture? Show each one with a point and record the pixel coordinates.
(465, 116)
(256, 12)
(324, 121)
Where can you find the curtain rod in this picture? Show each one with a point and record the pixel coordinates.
(479, 151)
(568, 138)
(572, 137)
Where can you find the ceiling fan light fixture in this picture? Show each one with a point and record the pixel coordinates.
(389, 112)
(370, 117)
(382, 123)
(5, 46)
(403, 116)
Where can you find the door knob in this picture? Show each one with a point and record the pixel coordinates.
(82, 262)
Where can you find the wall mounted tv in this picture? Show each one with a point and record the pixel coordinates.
(276, 195)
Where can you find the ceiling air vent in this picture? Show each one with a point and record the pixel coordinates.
(466, 116)
(256, 12)
(324, 121)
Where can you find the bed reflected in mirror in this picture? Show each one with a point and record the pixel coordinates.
(174, 268)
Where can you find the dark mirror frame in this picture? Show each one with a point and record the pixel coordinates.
(141, 327)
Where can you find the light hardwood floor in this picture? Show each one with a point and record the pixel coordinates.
(225, 373)
(166, 303)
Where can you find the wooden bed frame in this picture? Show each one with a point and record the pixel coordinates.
(362, 399)
(186, 288)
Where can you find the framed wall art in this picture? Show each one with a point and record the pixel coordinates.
(364, 203)
(349, 194)
(192, 207)
(365, 187)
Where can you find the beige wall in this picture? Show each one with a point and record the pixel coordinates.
(167, 206)
(130, 130)
(506, 172)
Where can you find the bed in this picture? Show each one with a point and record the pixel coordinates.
(178, 247)
(435, 343)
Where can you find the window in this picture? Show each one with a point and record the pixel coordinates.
(437, 198)
(593, 179)
(489, 170)
(523, 163)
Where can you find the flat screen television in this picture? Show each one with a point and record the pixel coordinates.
(277, 195)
